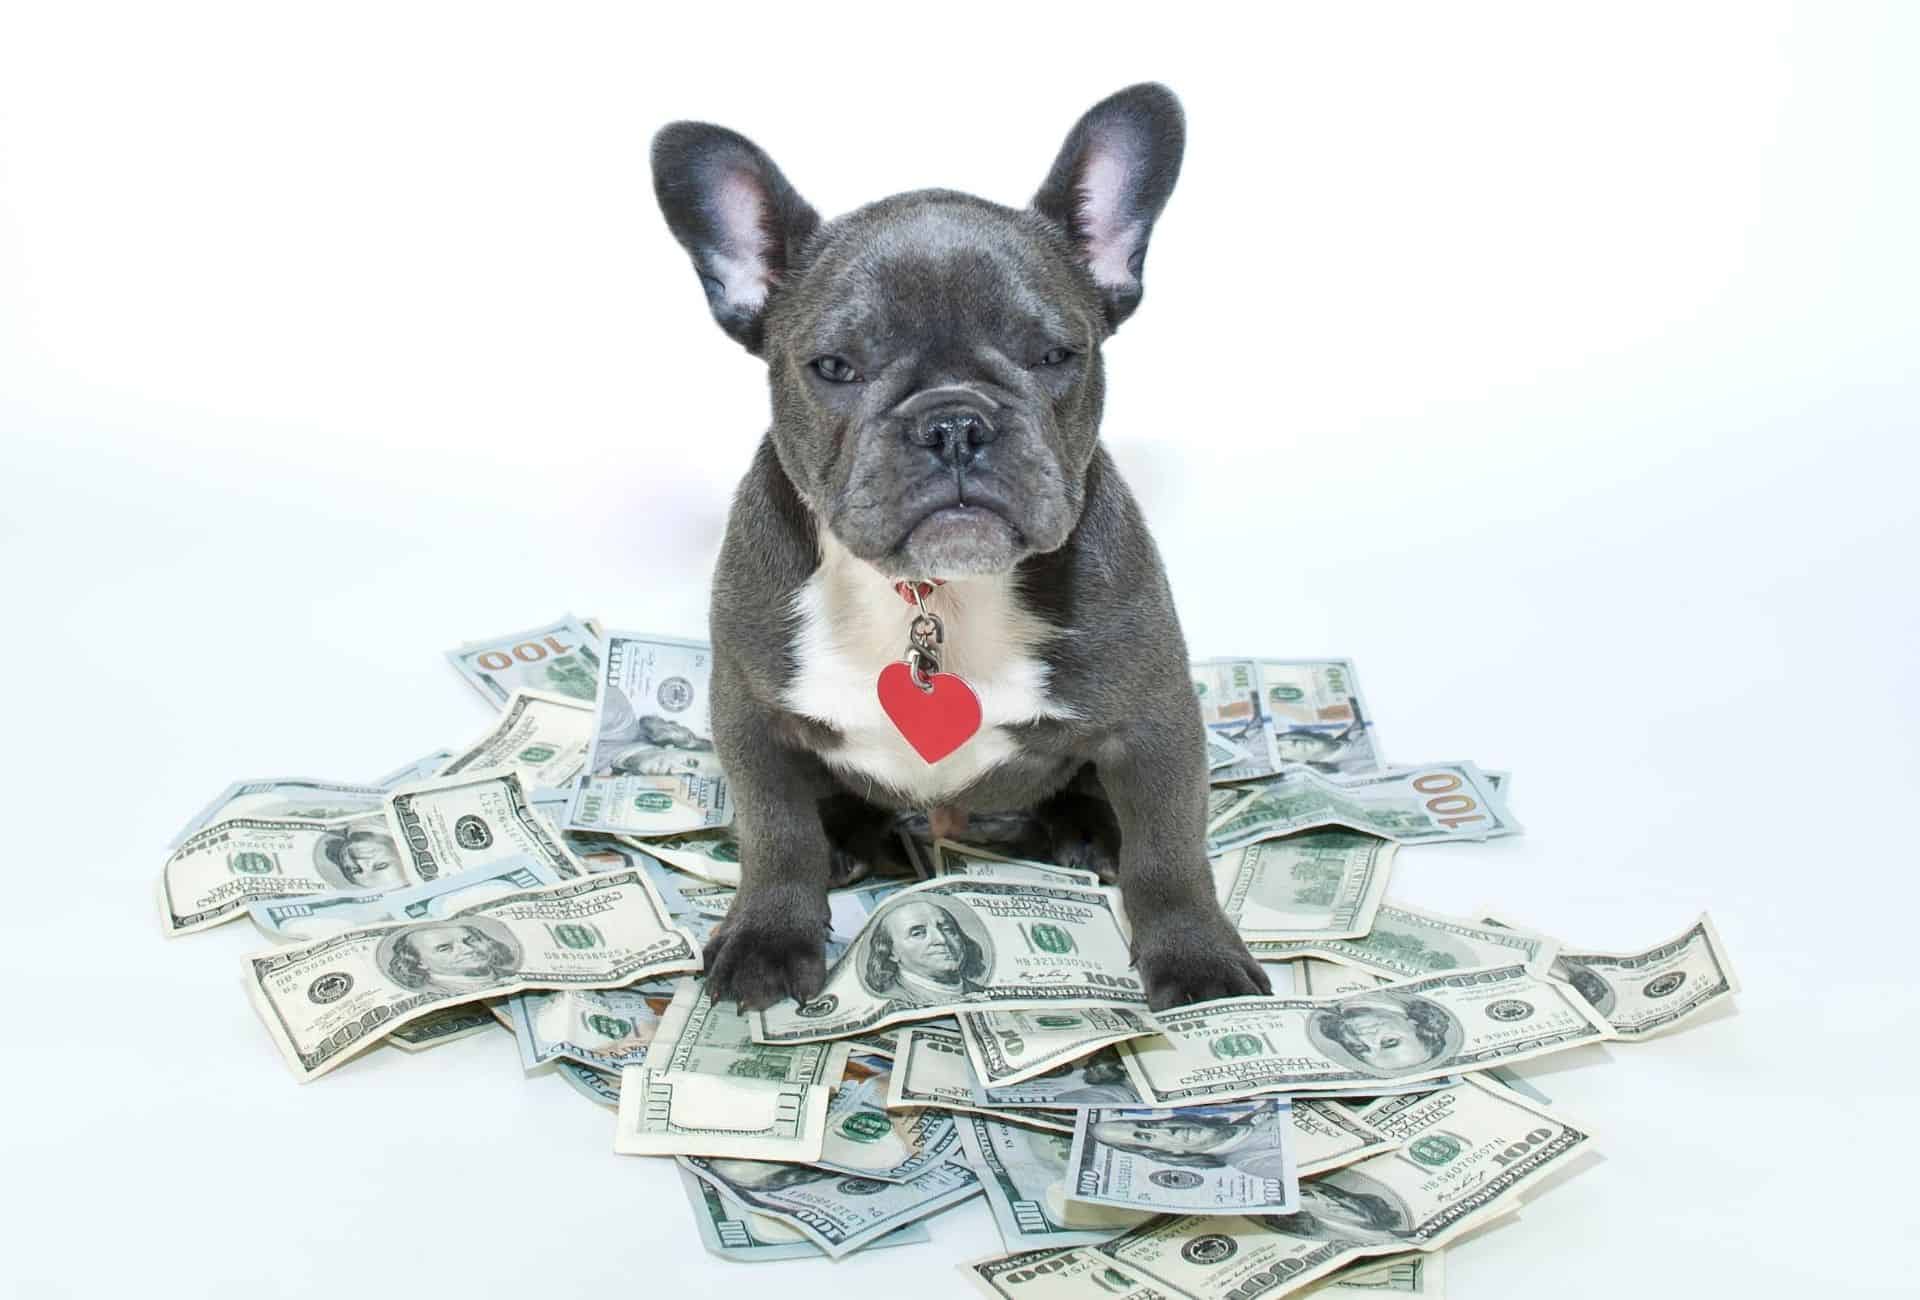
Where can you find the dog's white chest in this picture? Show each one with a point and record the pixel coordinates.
(851, 623)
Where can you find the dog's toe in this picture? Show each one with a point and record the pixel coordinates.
(757, 962)
(1197, 960)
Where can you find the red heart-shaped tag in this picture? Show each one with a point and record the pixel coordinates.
(935, 722)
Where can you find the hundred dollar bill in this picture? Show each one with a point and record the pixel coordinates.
(614, 857)
(1222, 799)
(930, 1069)
(594, 1085)
(1421, 1273)
(1321, 979)
(418, 770)
(711, 855)
(285, 797)
(550, 805)
(951, 859)
(1279, 713)
(1231, 1159)
(541, 738)
(1642, 994)
(441, 1027)
(1215, 1159)
(863, 1137)
(698, 1035)
(708, 899)
(652, 769)
(1314, 978)
(1410, 805)
(213, 876)
(1080, 1274)
(738, 1234)
(605, 853)
(476, 819)
(1477, 1153)
(1098, 1079)
(562, 657)
(606, 1029)
(1327, 1135)
(718, 1115)
(836, 1212)
(882, 1042)
(1399, 1033)
(1050, 1273)
(325, 1002)
(316, 916)
(1324, 884)
(1221, 753)
(963, 944)
(1007, 1047)
(850, 907)
(1023, 1172)
(1406, 941)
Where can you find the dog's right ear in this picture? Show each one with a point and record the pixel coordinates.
(736, 216)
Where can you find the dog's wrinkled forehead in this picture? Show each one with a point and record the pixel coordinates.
(934, 268)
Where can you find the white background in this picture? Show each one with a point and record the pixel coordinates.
(1556, 364)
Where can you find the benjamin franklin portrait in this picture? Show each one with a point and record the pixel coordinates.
(459, 956)
(1250, 1140)
(360, 855)
(645, 744)
(1386, 1034)
(920, 952)
(1346, 1206)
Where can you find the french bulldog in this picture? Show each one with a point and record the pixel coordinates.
(934, 361)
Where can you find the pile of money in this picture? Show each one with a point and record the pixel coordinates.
(981, 1031)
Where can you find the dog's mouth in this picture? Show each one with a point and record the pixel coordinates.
(964, 533)
(958, 523)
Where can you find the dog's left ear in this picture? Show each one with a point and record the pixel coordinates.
(735, 214)
(1109, 183)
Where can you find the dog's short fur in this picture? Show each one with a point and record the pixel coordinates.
(936, 377)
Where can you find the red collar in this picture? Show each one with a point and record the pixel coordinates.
(909, 590)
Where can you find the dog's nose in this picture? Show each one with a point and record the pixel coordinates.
(958, 432)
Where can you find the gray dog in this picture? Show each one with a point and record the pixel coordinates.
(935, 366)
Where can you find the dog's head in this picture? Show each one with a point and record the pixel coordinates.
(934, 358)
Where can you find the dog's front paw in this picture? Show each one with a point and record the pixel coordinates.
(1194, 955)
(760, 955)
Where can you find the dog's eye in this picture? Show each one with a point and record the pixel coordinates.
(1054, 357)
(835, 370)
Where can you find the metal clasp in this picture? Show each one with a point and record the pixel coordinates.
(924, 634)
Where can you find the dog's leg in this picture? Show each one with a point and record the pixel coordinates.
(861, 839)
(1183, 945)
(771, 944)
